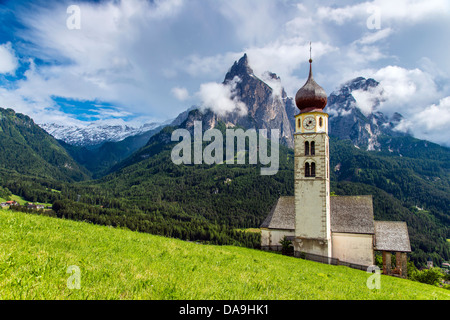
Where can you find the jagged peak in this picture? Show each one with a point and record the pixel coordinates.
(271, 75)
(360, 83)
(240, 68)
(244, 60)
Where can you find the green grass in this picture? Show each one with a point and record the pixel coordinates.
(35, 252)
(22, 201)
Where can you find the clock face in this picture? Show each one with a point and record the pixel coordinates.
(309, 123)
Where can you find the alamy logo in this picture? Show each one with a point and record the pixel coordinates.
(374, 281)
(235, 140)
(74, 281)
(73, 22)
(374, 20)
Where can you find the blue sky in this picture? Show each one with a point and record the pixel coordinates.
(140, 61)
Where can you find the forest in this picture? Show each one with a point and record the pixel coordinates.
(147, 192)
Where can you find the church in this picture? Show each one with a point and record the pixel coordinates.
(335, 228)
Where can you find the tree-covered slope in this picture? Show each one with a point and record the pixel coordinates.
(414, 189)
(147, 192)
(101, 158)
(27, 149)
(238, 196)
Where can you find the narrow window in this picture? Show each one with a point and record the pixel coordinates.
(320, 122)
(299, 123)
(307, 170)
(313, 169)
(313, 148)
(306, 148)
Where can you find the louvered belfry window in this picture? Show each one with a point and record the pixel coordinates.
(307, 170)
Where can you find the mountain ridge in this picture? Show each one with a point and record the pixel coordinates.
(348, 121)
(93, 134)
(28, 149)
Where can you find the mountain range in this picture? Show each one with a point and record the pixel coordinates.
(95, 134)
(266, 109)
(347, 121)
(139, 187)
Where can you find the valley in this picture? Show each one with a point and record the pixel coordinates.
(134, 184)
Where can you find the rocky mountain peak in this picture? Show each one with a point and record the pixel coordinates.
(271, 75)
(265, 109)
(240, 69)
(348, 121)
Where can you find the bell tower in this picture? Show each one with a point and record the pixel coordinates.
(312, 176)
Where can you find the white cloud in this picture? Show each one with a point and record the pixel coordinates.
(400, 90)
(406, 11)
(106, 60)
(109, 112)
(254, 21)
(372, 37)
(201, 66)
(181, 94)
(164, 8)
(410, 92)
(146, 56)
(220, 98)
(367, 101)
(275, 84)
(8, 59)
(42, 110)
(283, 56)
(431, 123)
(407, 89)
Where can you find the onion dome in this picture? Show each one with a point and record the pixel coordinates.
(311, 97)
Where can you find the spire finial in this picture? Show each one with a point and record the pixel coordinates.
(310, 49)
(311, 97)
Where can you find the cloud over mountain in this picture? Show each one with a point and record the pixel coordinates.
(149, 58)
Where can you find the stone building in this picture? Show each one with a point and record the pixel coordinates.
(341, 228)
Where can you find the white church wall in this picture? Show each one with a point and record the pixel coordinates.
(272, 237)
(353, 248)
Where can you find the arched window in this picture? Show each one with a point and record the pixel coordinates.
(307, 170)
(320, 122)
(306, 148)
(299, 123)
(313, 169)
(313, 148)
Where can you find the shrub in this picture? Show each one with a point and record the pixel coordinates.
(286, 247)
(429, 276)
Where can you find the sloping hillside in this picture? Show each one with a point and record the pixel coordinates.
(36, 252)
(27, 149)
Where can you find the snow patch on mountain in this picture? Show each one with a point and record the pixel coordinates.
(95, 133)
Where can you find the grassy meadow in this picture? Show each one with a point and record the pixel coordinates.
(21, 200)
(36, 251)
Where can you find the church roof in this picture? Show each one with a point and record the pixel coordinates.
(349, 214)
(282, 215)
(391, 236)
(352, 214)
